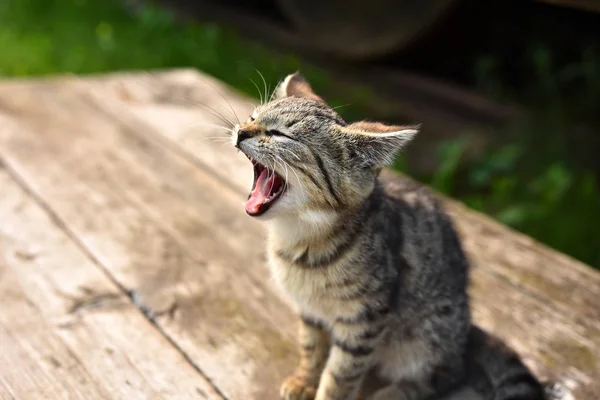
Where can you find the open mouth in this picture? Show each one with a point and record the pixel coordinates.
(267, 188)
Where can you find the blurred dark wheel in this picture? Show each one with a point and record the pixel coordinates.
(362, 29)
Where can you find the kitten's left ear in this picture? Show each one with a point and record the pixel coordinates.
(295, 85)
(375, 143)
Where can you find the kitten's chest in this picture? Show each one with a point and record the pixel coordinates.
(314, 291)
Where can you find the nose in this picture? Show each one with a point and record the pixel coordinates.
(242, 135)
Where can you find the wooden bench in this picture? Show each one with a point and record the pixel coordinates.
(129, 270)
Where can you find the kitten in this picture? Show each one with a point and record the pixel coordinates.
(371, 261)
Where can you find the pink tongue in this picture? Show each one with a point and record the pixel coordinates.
(262, 190)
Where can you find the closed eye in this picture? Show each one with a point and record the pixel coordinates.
(274, 132)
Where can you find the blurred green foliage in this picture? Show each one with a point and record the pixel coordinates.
(545, 183)
(525, 184)
(551, 202)
(40, 37)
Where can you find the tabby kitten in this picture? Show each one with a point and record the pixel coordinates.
(372, 263)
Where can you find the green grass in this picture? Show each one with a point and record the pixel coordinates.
(40, 37)
(521, 184)
(552, 202)
(542, 182)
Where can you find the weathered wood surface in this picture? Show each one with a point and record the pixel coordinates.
(67, 331)
(141, 201)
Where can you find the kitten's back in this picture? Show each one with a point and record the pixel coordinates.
(495, 371)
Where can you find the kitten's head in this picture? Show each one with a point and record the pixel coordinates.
(307, 159)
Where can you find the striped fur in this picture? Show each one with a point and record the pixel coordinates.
(371, 261)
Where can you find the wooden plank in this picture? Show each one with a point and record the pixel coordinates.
(66, 330)
(161, 210)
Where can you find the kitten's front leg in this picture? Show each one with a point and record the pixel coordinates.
(352, 355)
(314, 348)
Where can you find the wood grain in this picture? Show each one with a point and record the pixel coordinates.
(66, 330)
(157, 202)
(101, 180)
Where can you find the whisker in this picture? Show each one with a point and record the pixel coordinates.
(291, 152)
(197, 103)
(212, 139)
(285, 169)
(340, 106)
(231, 110)
(264, 83)
(216, 126)
(259, 92)
(215, 138)
(283, 164)
(215, 113)
(298, 181)
(297, 177)
(274, 90)
(294, 171)
(270, 171)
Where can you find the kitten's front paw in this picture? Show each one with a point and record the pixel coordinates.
(296, 388)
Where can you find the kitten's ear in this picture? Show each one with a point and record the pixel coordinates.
(375, 143)
(295, 85)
